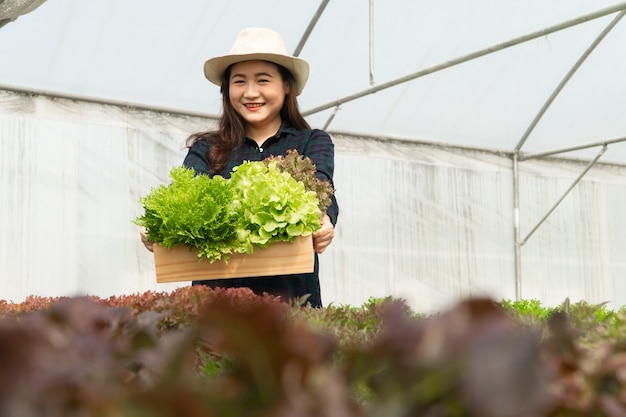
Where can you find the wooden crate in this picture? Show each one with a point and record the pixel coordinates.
(280, 258)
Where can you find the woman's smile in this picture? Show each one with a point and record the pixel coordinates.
(253, 106)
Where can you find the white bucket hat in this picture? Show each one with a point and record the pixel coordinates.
(258, 44)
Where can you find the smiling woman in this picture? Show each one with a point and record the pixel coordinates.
(259, 83)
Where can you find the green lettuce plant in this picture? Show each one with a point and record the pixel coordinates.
(276, 207)
(260, 204)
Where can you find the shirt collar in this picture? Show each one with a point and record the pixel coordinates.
(285, 128)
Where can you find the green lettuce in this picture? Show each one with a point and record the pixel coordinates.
(195, 210)
(258, 205)
(276, 207)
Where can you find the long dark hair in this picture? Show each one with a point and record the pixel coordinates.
(231, 132)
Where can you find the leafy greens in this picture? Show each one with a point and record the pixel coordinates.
(258, 205)
(276, 206)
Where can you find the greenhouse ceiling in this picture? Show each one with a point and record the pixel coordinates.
(533, 76)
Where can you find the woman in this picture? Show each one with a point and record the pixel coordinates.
(259, 83)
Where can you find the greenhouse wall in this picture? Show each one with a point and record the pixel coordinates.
(425, 222)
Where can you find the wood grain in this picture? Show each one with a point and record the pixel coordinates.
(280, 258)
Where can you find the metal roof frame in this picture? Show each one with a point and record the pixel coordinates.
(517, 155)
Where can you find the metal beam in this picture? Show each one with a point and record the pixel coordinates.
(471, 56)
(566, 79)
(330, 118)
(571, 187)
(570, 149)
(516, 229)
(372, 83)
(309, 29)
(117, 103)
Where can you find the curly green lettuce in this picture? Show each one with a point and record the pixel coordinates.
(197, 211)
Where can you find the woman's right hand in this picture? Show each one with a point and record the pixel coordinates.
(143, 232)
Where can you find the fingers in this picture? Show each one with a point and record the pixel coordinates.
(324, 236)
(320, 245)
(144, 239)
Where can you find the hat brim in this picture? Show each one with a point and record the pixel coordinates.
(214, 67)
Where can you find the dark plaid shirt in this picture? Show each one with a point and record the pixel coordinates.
(315, 144)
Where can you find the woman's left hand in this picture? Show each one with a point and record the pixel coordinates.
(143, 233)
(324, 236)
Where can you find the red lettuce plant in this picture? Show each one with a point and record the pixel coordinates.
(232, 353)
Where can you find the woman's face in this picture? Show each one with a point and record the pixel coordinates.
(257, 92)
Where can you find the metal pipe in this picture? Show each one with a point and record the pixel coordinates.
(566, 79)
(465, 58)
(576, 181)
(330, 118)
(516, 229)
(309, 29)
(117, 103)
(570, 149)
(372, 83)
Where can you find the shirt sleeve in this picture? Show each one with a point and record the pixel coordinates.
(321, 150)
(196, 158)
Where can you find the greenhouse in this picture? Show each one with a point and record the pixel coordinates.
(479, 146)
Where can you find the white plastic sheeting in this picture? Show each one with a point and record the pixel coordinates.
(434, 224)
(71, 175)
(427, 223)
